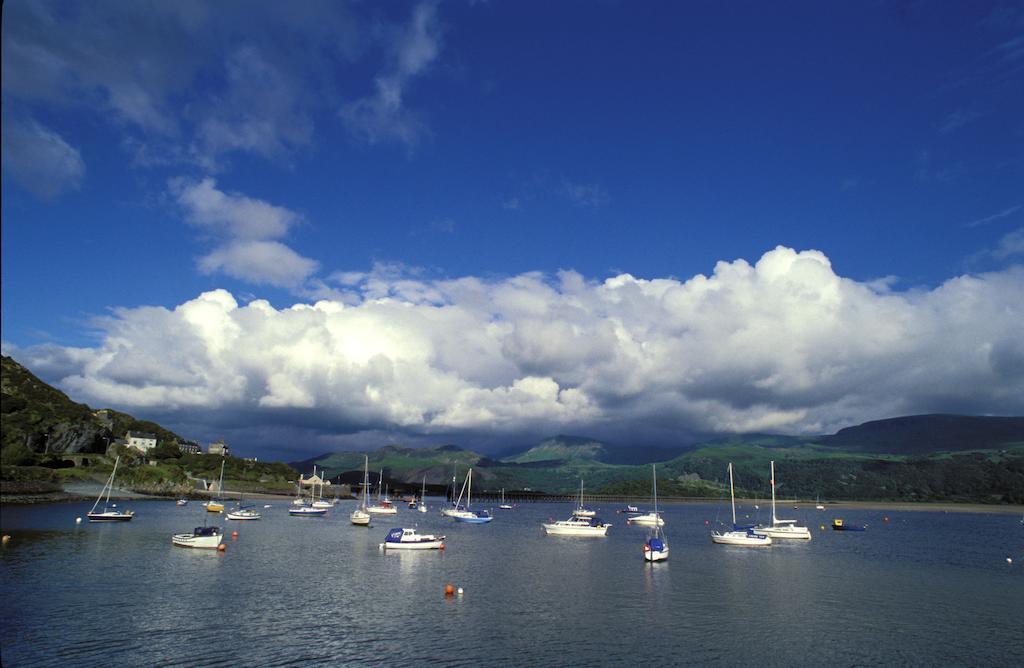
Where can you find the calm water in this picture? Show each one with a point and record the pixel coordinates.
(925, 588)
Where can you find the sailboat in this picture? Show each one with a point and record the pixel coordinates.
(110, 512)
(581, 510)
(319, 502)
(782, 528)
(465, 514)
(504, 506)
(656, 547)
(307, 509)
(738, 536)
(217, 505)
(242, 512)
(423, 497)
(452, 507)
(383, 505)
(818, 505)
(359, 516)
(577, 525)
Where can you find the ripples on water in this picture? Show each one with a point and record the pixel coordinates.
(926, 588)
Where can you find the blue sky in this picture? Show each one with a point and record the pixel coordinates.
(638, 221)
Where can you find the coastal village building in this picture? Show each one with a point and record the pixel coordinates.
(219, 448)
(189, 448)
(312, 480)
(140, 440)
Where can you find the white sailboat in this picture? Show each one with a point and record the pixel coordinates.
(359, 516)
(423, 497)
(782, 528)
(319, 502)
(504, 506)
(656, 547)
(242, 512)
(465, 514)
(453, 507)
(383, 505)
(581, 510)
(110, 513)
(740, 537)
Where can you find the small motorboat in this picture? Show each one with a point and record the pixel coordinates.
(629, 510)
(577, 526)
(181, 502)
(840, 525)
(407, 539)
(201, 537)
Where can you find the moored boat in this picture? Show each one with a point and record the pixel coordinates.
(181, 502)
(464, 514)
(359, 516)
(407, 539)
(650, 519)
(306, 511)
(656, 545)
(110, 512)
(840, 525)
(201, 537)
(742, 537)
(781, 528)
(243, 513)
(577, 526)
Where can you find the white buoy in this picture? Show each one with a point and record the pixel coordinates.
(78, 520)
(1009, 560)
(460, 591)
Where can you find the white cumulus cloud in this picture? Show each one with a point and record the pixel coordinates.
(784, 344)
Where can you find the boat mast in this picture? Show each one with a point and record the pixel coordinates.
(657, 518)
(469, 492)
(110, 483)
(774, 521)
(732, 496)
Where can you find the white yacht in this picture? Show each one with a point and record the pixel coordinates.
(782, 528)
(738, 536)
(359, 516)
(577, 526)
(202, 537)
(408, 539)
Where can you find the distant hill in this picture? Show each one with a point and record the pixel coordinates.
(563, 449)
(926, 434)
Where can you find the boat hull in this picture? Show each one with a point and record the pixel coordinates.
(473, 520)
(111, 517)
(382, 511)
(212, 507)
(785, 532)
(418, 545)
(199, 542)
(656, 555)
(645, 520)
(243, 516)
(741, 539)
(557, 530)
(307, 512)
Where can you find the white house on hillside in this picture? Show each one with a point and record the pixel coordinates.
(219, 448)
(140, 440)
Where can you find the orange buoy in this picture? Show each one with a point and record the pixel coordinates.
(234, 534)
(441, 547)
(449, 590)
(222, 548)
(886, 518)
(707, 522)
